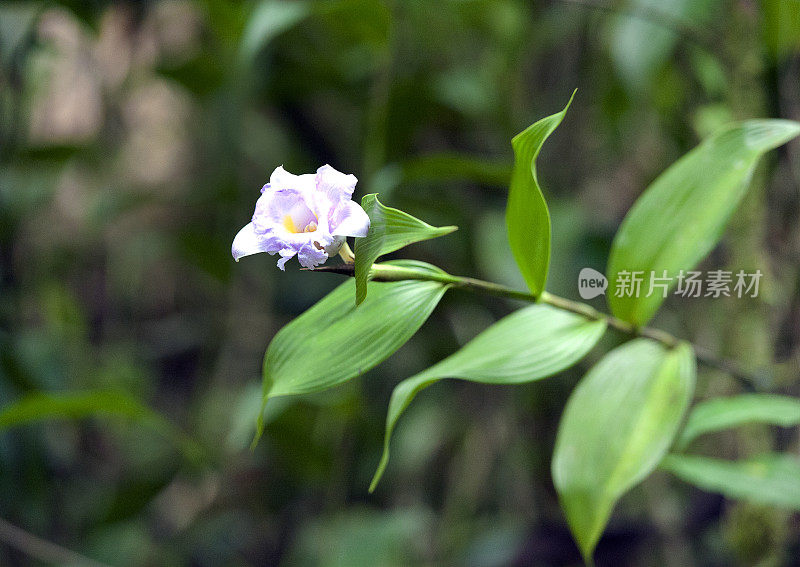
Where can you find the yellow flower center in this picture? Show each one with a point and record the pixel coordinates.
(288, 224)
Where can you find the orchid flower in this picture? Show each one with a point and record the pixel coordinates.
(307, 215)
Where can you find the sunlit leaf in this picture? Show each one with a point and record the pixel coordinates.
(269, 19)
(527, 345)
(616, 427)
(527, 217)
(768, 479)
(389, 230)
(723, 413)
(681, 216)
(335, 341)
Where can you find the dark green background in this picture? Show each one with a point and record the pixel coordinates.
(134, 139)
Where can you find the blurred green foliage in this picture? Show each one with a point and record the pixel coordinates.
(134, 138)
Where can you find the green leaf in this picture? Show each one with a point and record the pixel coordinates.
(527, 345)
(41, 406)
(389, 230)
(680, 218)
(269, 19)
(617, 426)
(74, 405)
(723, 413)
(334, 341)
(769, 479)
(527, 217)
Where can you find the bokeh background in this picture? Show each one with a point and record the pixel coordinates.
(134, 139)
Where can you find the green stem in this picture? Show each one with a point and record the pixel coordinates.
(385, 272)
(346, 253)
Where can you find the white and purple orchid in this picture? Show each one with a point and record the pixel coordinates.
(307, 215)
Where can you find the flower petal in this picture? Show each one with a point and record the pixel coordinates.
(349, 219)
(282, 209)
(335, 184)
(282, 179)
(286, 255)
(307, 215)
(310, 256)
(248, 242)
(335, 245)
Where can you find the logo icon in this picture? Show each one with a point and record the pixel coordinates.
(591, 283)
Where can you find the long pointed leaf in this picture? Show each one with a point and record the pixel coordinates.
(334, 341)
(723, 413)
(44, 406)
(527, 216)
(769, 479)
(389, 230)
(527, 345)
(617, 426)
(680, 218)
